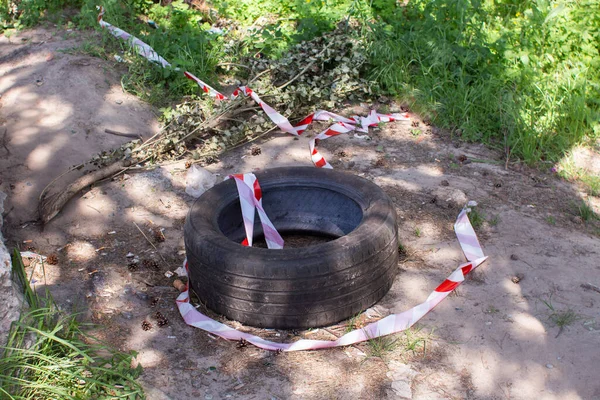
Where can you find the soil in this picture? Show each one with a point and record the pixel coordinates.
(496, 337)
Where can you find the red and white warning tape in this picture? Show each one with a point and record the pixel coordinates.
(391, 324)
(342, 125)
(251, 202)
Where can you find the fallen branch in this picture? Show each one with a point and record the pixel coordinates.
(128, 135)
(49, 207)
(151, 244)
(589, 286)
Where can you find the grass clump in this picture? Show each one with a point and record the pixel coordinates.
(586, 211)
(381, 346)
(522, 76)
(476, 217)
(48, 356)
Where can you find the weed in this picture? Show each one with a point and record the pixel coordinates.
(586, 211)
(47, 355)
(381, 346)
(414, 340)
(495, 220)
(477, 218)
(402, 250)
(568, 169)
(551, 220)
(491, 310)
(417, 232)
(353, 323)
(564, 318)
(415, 132)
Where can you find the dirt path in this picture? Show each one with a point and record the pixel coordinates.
(497, 338)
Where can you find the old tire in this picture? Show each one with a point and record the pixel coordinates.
(294, 287)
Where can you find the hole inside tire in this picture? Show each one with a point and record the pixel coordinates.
(303, 215)
(295, 240)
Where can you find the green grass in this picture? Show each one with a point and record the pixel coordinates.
(586, 211)
(352, 323)
(382, 346)
(476, 217)
(495, 220)
(418, 232)
(560, 318)
(49, 356)
(551, 220)
(564, 318)
(523, 77)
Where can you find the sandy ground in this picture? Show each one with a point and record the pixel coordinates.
(495, 338)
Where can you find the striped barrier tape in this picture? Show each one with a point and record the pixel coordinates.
(342, 125)
(251, 202)
(393, 323)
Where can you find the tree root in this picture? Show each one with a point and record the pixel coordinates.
(50, 206)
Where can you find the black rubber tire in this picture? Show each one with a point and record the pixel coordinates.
(294, 287)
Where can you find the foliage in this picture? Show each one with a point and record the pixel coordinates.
(522, 76)
(48, 356)
(26, 13)
(322, 73)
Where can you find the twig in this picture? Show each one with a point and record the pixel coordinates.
(4, 142)
(589, 286)
(309, 65)
(259, 75)
(337, 337)
(95, 209)
(152, 244)
(129, 135)
(239, 144)
(234, 64)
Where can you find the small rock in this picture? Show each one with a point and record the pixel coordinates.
(517, 278)
(119, 101)
(488, 323)
(445, 183)
(514, 257)
(577, 219)
(402, 389)
(549, 366)
(127, 315)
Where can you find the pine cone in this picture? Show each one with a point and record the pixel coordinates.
(158, 235)
(150, 264)
(146, 326)
(52, 259)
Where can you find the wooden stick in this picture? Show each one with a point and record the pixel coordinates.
(151, 244)
(129, 135)
(589, 286)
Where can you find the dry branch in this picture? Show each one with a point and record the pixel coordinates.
(49, 207)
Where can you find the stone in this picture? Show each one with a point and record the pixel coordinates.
(402, 389)
(10, 296)
(402, 376)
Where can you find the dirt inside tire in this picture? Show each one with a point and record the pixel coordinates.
(315, 284)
